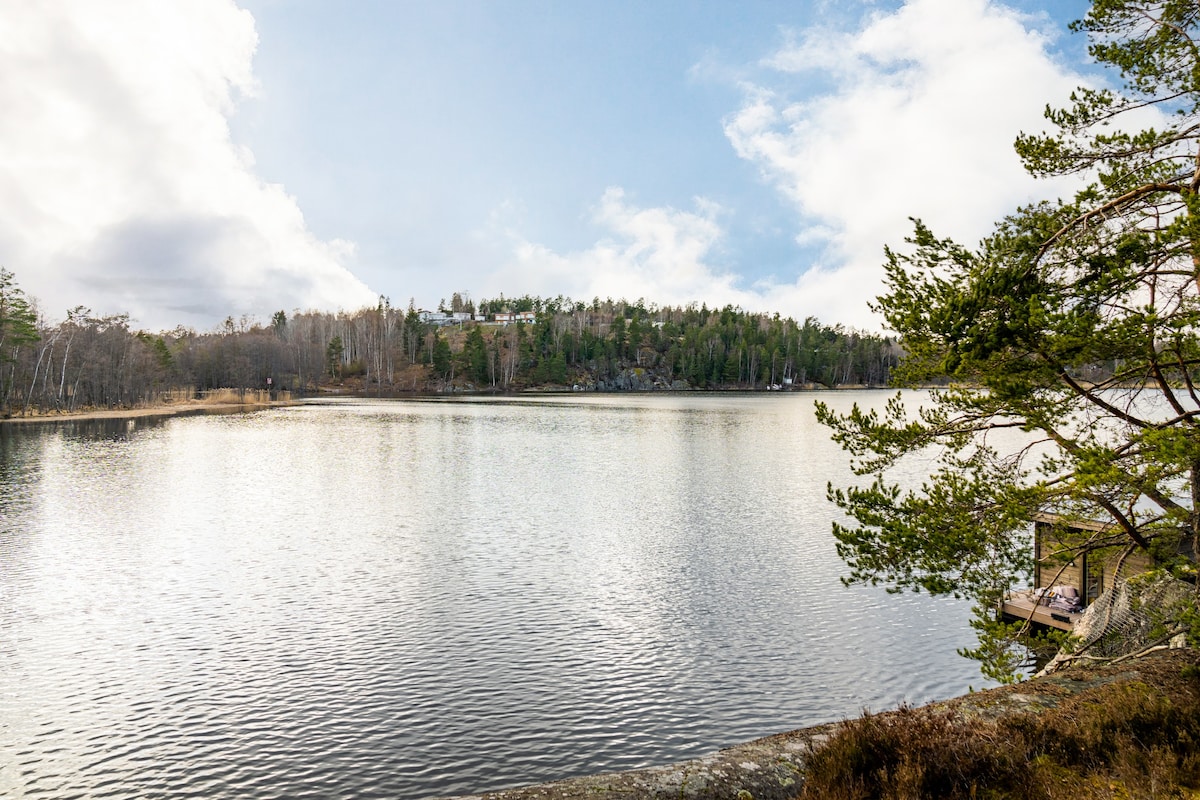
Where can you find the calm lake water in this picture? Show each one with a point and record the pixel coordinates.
(424, 598)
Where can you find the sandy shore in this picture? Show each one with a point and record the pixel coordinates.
(173, 409)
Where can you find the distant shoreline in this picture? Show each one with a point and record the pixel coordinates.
(172, 410)
(202, 407)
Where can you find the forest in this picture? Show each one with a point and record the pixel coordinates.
(90, 361)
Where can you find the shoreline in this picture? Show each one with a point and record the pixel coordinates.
(172, 410)
(203, 407)
(774, 767)
(770, 768)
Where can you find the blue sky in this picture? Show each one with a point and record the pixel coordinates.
(191, 160)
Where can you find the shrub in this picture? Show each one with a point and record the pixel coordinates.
(1128, 738)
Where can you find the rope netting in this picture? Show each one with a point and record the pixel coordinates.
(1142, 613)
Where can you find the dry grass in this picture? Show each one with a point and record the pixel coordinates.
(220, 397)
(169, 401)
(180, 394)
(1127, 739)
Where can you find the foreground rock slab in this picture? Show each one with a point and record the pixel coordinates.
(765, 769)
(772, 768)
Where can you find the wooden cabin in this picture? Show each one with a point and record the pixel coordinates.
(1092, 573)
(1089, 574)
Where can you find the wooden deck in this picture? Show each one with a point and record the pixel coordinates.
(1023, 605)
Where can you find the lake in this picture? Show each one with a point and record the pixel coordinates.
(419, 598)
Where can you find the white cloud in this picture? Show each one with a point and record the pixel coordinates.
(916, 118)
(120, 187)
(659, 254)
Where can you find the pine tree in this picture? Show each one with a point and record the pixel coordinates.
(1109, 277)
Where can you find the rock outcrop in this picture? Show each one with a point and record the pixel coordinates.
(773, 768)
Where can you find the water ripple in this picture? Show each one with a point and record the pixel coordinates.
(415, 599)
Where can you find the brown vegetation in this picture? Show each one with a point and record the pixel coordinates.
(1135, 737)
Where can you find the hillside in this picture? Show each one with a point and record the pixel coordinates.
(89, 362)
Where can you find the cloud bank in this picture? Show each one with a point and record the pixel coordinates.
(656, 254)
(912, 114)
(918, 120)
(120, 187)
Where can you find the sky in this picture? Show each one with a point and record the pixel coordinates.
(193, 160)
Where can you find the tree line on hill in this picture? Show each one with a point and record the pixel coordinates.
(94, 361)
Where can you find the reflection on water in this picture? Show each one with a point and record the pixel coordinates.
(420, 598)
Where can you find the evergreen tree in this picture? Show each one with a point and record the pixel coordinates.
(18, 327)
(441, 359)
(475, 355)
(1110, 276)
